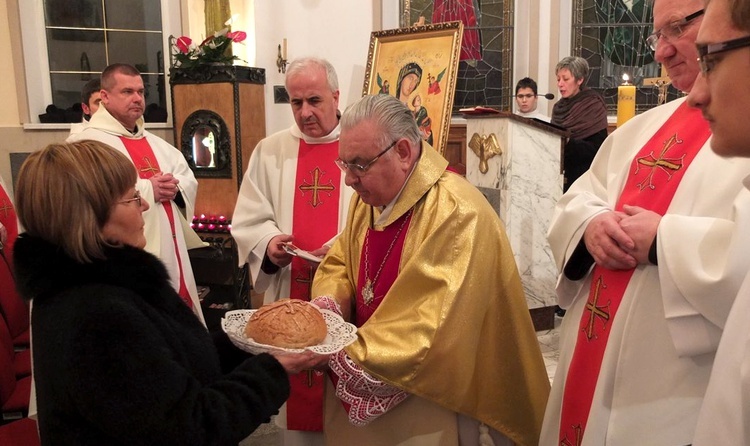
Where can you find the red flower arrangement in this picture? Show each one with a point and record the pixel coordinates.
(213, 50)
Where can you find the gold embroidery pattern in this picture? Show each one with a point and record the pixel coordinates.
(666, 165)
(317, 187)
(6, 207)
(579, 437)
(147, 168)
(596, 311)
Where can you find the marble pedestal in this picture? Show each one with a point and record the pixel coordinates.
(523, 184)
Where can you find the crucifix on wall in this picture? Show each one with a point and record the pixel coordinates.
(662, 83)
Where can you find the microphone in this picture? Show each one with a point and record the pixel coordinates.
(549, 96)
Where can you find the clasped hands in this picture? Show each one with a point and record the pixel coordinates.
(165, 186)
(621, 240)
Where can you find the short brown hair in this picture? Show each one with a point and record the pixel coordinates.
(66, 192)
(108, 75)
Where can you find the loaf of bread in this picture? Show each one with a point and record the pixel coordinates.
(288, 323)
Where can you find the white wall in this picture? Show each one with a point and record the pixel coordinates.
(336, 30)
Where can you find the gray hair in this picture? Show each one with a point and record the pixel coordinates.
(303, 64)
(577, 66)
(392, 117)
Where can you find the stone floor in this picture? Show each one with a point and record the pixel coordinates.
(268, 434)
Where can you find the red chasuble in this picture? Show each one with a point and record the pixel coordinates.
(314, 222)
(654, 176)
(147, 166)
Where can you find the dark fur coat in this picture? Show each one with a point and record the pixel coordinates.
(119, 358)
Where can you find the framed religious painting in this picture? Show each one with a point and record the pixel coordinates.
(418, 65)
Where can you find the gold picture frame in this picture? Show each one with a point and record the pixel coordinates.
(424, 60)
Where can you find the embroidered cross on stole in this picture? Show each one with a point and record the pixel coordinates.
(314, 222)
(147, 166)
(655, 174)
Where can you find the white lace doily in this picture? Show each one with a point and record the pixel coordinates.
(340, 334)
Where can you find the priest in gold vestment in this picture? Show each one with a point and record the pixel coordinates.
(446, 352)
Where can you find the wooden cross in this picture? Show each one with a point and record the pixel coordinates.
(6, 207)
(317, 187)
(149, 167)
(662, 83)
(595, 310)
(668, 165)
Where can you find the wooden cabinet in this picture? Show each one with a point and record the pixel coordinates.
(455, 148)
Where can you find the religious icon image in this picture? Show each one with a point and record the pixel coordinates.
(401, 62)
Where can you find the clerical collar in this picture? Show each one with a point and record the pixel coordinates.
(386, 210)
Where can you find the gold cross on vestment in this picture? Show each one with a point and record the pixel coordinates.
(316, 187)
(578, 440)
(667, 165)
(595, 310)
(149, 167)
(6, 207)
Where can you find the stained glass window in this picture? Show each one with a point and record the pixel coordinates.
(485, 71)
(611, 36)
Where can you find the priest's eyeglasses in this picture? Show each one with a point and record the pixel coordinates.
(136, 198)
(359, 169)
(707, 52)
(672, 31)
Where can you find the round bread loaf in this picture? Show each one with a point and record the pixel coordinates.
(288, 323)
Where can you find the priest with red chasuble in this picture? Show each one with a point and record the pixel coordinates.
(165, 180)
(446, 351)
(643, 243)
(293, 193)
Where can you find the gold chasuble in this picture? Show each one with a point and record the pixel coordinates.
(453, 328)
(316, 212)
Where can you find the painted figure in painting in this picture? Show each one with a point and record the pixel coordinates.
(408, 80)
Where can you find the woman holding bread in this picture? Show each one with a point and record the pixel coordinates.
(118, 357)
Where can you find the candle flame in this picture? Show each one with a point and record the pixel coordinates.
(625, 77)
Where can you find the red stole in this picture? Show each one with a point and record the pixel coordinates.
(9, 220)
(380, 259)
(147, 166)
(655, 174)
(16, 310)
(314, 222)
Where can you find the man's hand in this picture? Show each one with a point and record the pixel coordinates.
(640, 225)
(275, 250)
(608, 243)
(165, 186)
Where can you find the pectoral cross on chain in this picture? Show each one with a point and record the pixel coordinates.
(667, 165)
(6, 207)
(148, 168)
(316, 187)
(596, 311)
